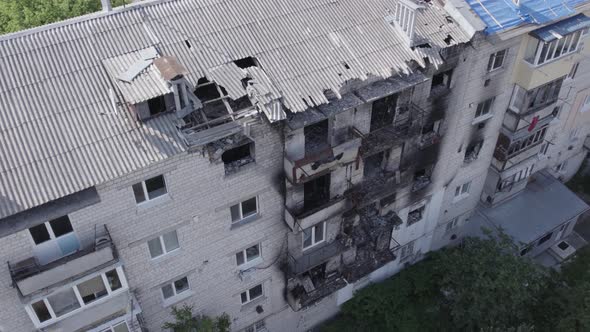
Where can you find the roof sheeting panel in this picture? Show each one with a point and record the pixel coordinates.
(501, 15)
(562, 28)
(61, 134)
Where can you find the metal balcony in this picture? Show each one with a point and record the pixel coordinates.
(306, 219)
(321, 162)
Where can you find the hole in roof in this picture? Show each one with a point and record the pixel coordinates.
(448, 40)
(346, 65)
(449, 19)
(188, 44)
(425, 45)
(246, 62)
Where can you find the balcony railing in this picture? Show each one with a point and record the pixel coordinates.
(317, 164)
(96, 251)
(306, 219)
(405, 126)
(378, 187)
(314, 257)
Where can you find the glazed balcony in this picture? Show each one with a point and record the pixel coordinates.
(95, 252)
(323, 161)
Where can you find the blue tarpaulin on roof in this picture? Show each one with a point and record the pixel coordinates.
(500, 15)
(562, 28)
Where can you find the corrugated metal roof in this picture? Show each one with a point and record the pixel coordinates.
(60, 133)
(503, 15)
(147, 85)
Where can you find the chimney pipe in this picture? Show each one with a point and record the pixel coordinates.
(106, 5)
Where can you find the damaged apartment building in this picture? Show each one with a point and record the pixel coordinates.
(267, 159)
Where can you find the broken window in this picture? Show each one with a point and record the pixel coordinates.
(157, 105)
(407, 251)
(422, 178)
(237, 157)
(441, 81)
(316, 192)
(373, 164)
(383, 112)
(472, 151)
(316, 137)
(416, 215)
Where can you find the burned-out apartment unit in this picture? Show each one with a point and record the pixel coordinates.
(267, 159)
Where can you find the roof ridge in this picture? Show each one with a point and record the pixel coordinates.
(81, 19)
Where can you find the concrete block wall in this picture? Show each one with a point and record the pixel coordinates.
(198, 207)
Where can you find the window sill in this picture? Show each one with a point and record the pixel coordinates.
(482, 118)
(245, 221)
(235, 170)
(153, 202)
(250, 264)
(253, 303)
(166, 256)
(494, 72)
(316, 245)
(459, 198)
(178, 298)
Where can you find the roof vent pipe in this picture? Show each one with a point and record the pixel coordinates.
(106, 5)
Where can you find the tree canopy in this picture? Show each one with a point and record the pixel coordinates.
(186, 321)
(17, 15)
(479, 286)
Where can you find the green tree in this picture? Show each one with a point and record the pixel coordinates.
(480, 286)
(566, 300)
(17, 15)
(187, 322)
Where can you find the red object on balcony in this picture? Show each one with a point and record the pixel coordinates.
(534, 123)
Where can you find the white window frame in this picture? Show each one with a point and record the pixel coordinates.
(250, 299)
(83, 306)
(451, 225)
(561, 166)
(585, 104)
(573, 71)
(52, 236)
(485, 108)
(407, 251)
(462, 191)
(241, 211)
(111, 327)
(247, 261)
(165, 250)
(493, 60)
(176, 293)
(524, 173)
(259, 326)
(553, 46)
(313, 242)
(146, 196)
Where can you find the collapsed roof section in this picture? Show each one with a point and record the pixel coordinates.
(63, 85)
